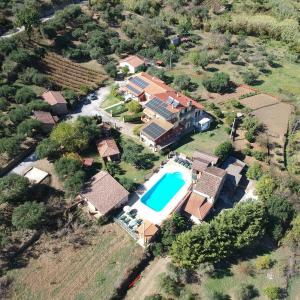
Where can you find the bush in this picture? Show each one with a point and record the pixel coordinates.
(246, 292)
(134, 106)
(118, 110)
(3, 104)
(28, 215)
(169, 286)
(182, 82)
(155, 297)
(25, 95)
(47, 148)
(66, 167)
(137, 130)
(71, 97)
(29, 127)
(38, 105)
(219, 83)
(250, 77)
(136, 118)
(18, 114)
(11, 146)
(111, 70)
(128, 184)
(255, 171)
(223, 150)
(13, 188)
(263, 262)
(261, 156)
(272, 292)
(250, 136)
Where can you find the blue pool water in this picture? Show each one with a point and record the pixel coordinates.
(163, 191)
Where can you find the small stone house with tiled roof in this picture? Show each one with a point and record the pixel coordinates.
(202, 160)
(108, 150)
(57, 102)
(103, 194)
(205, 193)
(133, 63)
(48, 121)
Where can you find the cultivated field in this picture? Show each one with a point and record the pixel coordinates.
(71, 75)
(91, 272)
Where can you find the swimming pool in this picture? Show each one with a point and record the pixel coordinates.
(163, 191)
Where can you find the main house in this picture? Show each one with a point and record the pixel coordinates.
(167, 114)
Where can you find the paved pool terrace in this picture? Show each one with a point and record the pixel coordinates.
(157, 217)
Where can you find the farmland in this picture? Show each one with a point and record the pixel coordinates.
(71, 75)
(90, 272)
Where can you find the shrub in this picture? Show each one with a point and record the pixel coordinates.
(272, 292)
(3, 104)
(29, 127)
(28, 215)
(255, 171)
(169, 286)
(134, 106)
(136, 118)
(111, 70)
(250, 136)
(219, 83)
(246, 292)
(11, 146)
(47, 148)
(223, 150)
(18, 114)
(128, 184)
(24, 95)
(118, 110)
(137, 130)
(38, 105)
(155, 297)
(261, 156)
(13, 188)
(263, 262)
(250, 77)
(182, 82)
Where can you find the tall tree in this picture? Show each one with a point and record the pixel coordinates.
(28, 16)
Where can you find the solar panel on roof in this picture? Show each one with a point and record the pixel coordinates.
(160, 108)
(131, 88)
(139, 82)
(154, 130)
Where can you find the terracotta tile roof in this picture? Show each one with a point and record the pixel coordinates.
(53, 97)
(181, 98)
(210, 182)
(104, 192)
(88, 162)
(134, 61)
(205, 157)
(200, 165)
(44, 117)
(197, 206)
(155, 85)
(147, 230)
(108, 147)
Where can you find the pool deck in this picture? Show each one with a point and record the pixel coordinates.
(147, 213)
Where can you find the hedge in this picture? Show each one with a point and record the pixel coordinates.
(133, 118)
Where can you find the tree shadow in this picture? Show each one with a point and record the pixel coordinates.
(212, 69)
(257, 82)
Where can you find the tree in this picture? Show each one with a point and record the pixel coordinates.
(280, 214)
(74, 183)
(172, 227)
(29, 127)
(28, 16)
(18, 114)
(229, 232)
(223, 150)
(219, 83)
(293, 236)
(272, 292)
(66, 167)
(3, 104)
(185, 25)
(155, 297)
(128, 184)
(134, 106)
(24, 95)
(10, 146)
(200, 59)
(113, 168)
(182, 82)
(250, 77)
(255, 171)
(13, 188)
(70, 136)
(265, 187)
(47, 148)
(169, 286)
(71, 97)
(111, 69)
(28, 215)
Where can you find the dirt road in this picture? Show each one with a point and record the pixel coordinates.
(148, 284)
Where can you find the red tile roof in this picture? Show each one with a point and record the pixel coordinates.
(44, 117)
(197, 206)
(181, 98)
(53, 97)
(134, 61)
(88, 162)
(147, 230)
(104, 192)
(108, 147)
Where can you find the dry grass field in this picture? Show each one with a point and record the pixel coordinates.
(91, 272)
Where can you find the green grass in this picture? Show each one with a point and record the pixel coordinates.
(110, 100)
(205, 141)
(294, 289)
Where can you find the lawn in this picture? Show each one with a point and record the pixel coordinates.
(110, 100)
(294, 290)
(205, 141)
(90, 272)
